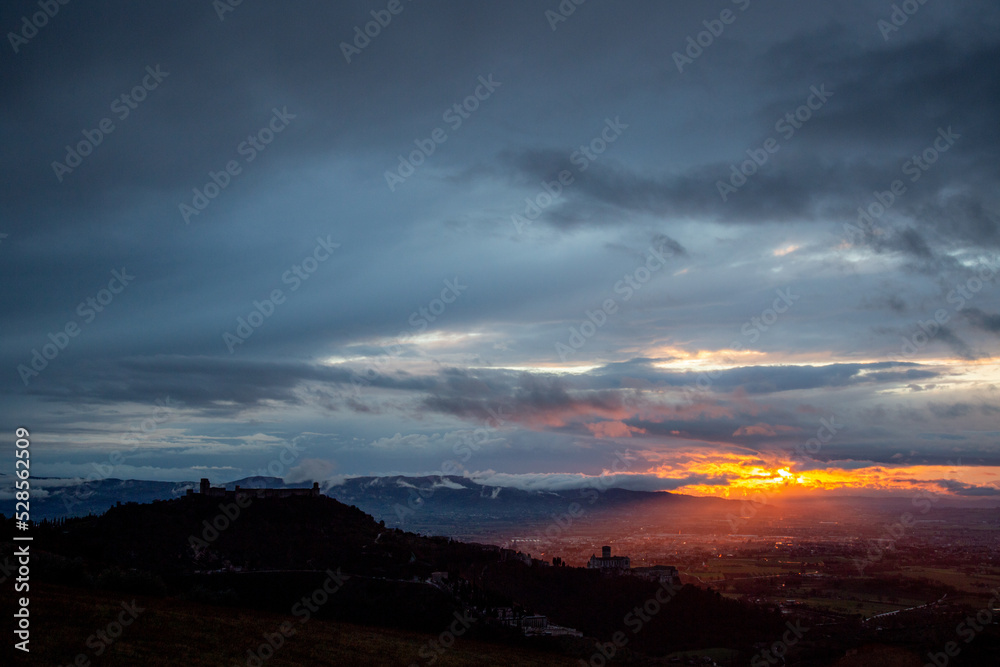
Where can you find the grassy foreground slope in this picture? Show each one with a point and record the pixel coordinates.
(176, 632)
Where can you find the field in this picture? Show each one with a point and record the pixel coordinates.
(977, 584)
(767, 580)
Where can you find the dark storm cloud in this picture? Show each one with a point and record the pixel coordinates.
(951, 411)
(234, 385)
(910, 241)
(962, 489)
(204, 383)
(545, 391)
(939, 81)
(982, 320)
(864, 452)
(957, 345)
(891, 301)
(527, 399)
(216, 385)
(224, 79)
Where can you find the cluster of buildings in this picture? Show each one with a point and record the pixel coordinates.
(608, 563)
(623, 565)
(530, 624)
(206, 489)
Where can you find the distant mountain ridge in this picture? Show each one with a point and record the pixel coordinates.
(413, 502)
(419, 503)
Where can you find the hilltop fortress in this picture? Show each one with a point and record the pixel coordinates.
(206, 489)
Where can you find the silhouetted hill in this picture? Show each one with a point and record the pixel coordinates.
(197, 533)
(272, 553)
(267, 553)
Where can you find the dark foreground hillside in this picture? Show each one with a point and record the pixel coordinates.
(311, 559)
(170, 632)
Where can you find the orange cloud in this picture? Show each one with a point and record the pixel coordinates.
(752, 474)
(764, 429)
(539, 417)
(614, 429)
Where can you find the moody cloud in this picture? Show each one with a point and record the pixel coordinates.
(275, 174)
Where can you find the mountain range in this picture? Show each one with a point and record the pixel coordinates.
(442, 502)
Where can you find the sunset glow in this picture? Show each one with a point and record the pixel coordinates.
(745, 477)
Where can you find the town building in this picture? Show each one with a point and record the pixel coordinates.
(534, 625)
(530, 624)
(206, 489)
(608, 563)
(663, 574)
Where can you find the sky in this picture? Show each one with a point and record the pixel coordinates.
(717, 248)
